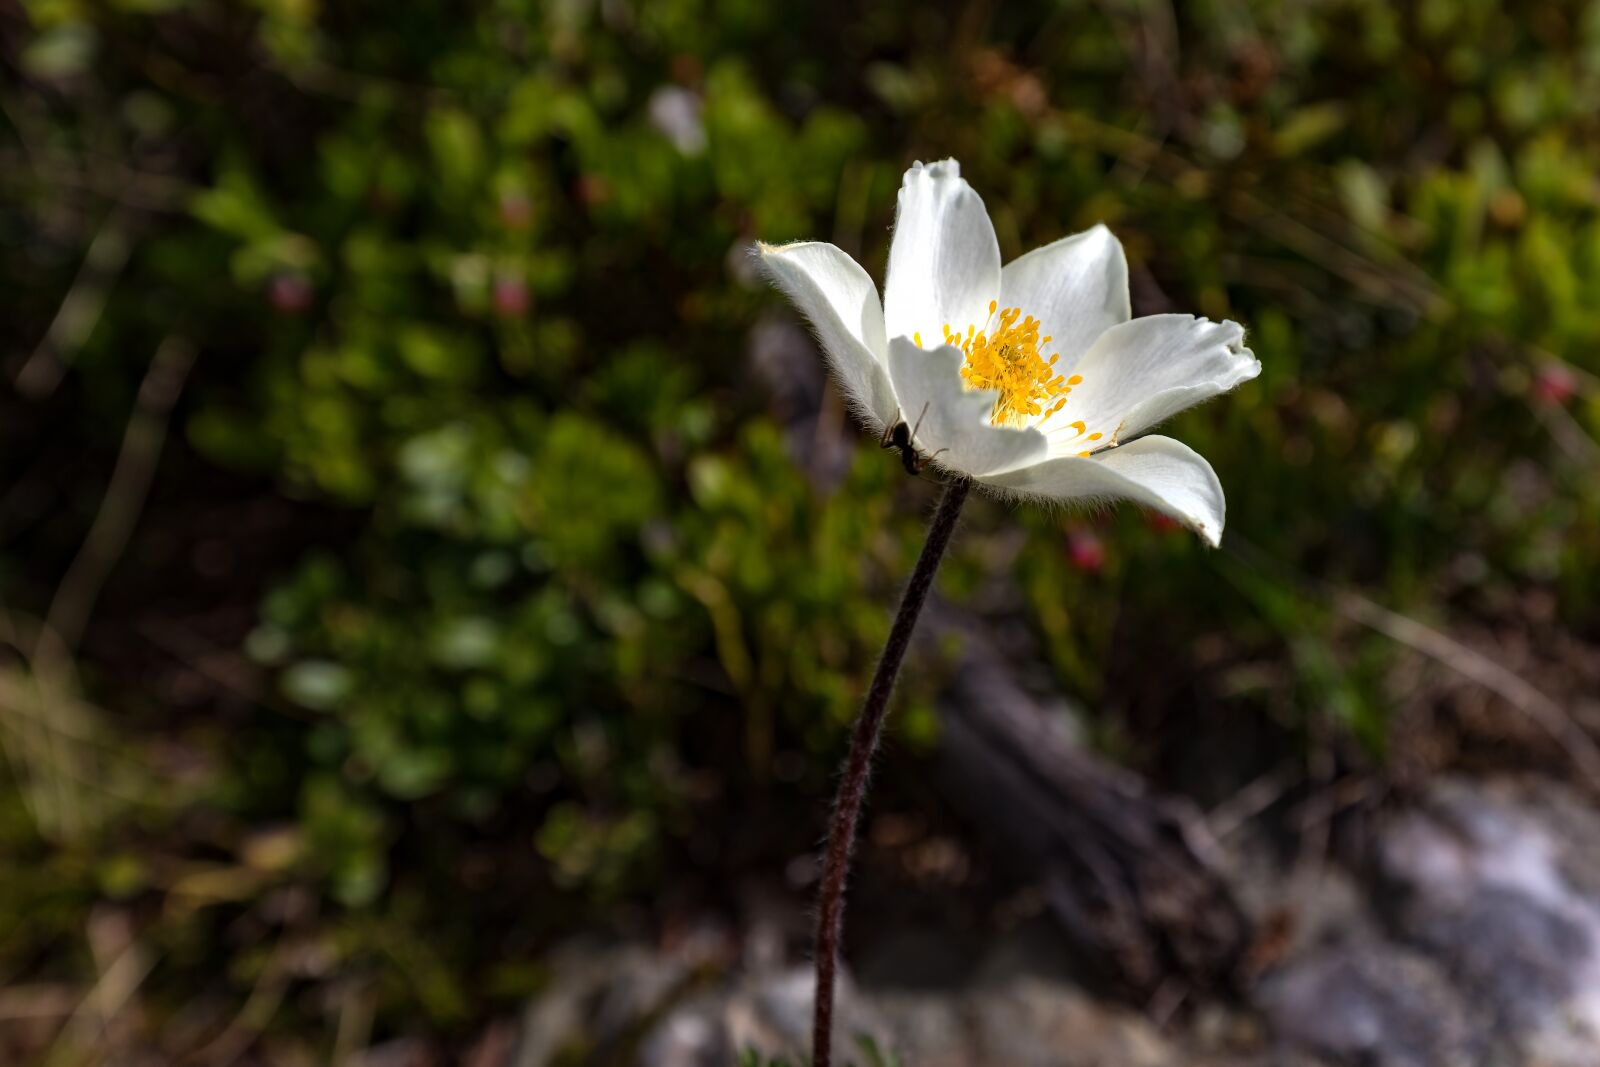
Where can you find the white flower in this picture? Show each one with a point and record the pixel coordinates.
(1034, 379)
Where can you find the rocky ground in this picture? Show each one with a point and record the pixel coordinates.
(1464, 932)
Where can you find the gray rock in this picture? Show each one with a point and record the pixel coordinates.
(1499, 882)
(600, 996)
(1046, 1024)
(687, 1038)
(1371, 1004)
(1019, 1022)
(1474, 943)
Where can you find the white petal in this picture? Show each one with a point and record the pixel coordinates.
(1146, 370)
(1155, 471)
(944, 260)
(1077, 288)
(954, 426)
(839, 298)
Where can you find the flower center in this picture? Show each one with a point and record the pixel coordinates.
(1008, 360)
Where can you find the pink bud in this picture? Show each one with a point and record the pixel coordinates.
(1086, 551)
(511, 297)
(289, 293)
(1554, 384)
(1162, 523)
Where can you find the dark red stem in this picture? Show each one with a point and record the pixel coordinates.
(858, 766)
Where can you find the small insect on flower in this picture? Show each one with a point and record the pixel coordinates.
(903, 437)
(1032, 377)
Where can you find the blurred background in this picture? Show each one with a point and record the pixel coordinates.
(436, 578)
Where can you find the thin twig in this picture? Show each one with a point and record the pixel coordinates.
(858, 765)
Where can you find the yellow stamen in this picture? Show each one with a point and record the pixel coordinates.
(1006, 358)
(917, 337)
(1096, 436)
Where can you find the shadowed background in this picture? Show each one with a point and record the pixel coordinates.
(424, 540)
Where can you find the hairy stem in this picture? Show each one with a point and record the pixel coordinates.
(858, 766)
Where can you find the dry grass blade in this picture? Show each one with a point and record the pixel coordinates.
(1503, 682)
(80, 309)
(124, 499)
(1438, 646)
(92, 1023)
(50, 734)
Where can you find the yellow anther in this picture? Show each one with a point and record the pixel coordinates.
(917, 337)
(1007, 359)
(1096, 436)
(1050, 413)
(1076, 379)
(1080, 427)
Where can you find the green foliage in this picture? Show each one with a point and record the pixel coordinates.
(470, 292)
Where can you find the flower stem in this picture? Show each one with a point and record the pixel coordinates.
(858, 765)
